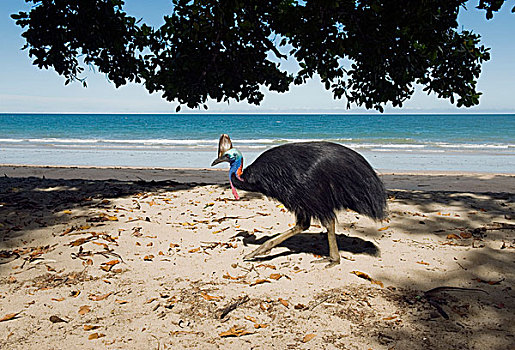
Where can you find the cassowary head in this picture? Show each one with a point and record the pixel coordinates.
(226, 153)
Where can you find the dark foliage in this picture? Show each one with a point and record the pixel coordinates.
(371, 52)
(313, 179)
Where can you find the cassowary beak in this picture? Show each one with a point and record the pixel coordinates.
(220, 160)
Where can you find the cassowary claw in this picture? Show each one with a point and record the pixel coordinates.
(330, 261)
(266, 247)
(257, 252)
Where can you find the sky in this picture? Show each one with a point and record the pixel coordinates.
(25, 88)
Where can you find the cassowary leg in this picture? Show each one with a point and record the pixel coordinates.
(265, 248)
(334, 255)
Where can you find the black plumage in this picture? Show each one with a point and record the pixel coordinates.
(315, 179)
(312, 180)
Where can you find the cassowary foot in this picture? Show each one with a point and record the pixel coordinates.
(334, 255)
(260, 251)
(331, 262)
(266, 247)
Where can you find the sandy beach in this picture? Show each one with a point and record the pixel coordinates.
(126, 258)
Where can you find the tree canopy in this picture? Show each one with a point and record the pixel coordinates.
(371, 51)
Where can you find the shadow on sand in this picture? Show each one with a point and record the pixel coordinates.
(27, 204)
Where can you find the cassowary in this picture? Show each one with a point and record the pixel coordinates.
(312, 180)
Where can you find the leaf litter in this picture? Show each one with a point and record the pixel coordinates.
(272, 311)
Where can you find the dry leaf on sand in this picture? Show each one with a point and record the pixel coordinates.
(229, 277)
(284, 302)
(90, 327)
(368, 278)
(492, 283)
(235, 331)
(389, 318)
(250, 318)
(111, 262)
(275, 276)
(9, 317)
(107, 266)
(96, 336)
(84, 310)
(103, 245)
(68, 230)
(308, 337)
(78, 242)
(99, 297)
(56, 319)
(267, 266)
(259, 281)
(260, 325)
(209, 297)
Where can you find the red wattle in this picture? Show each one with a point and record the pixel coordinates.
(234, 191)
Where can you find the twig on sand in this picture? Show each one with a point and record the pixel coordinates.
(320, 302)
(447, 288)
(438, 308)
(233, 306)
(500, 226)
(220, 220)
(429, 293)
(158, 342)
(107, 253)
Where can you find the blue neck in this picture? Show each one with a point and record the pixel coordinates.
(235, 165)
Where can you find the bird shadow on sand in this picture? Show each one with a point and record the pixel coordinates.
(314, 243)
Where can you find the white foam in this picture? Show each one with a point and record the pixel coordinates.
(362, 144)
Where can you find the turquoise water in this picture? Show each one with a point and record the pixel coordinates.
(394, 142)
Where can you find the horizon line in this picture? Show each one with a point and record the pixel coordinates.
(263, 113)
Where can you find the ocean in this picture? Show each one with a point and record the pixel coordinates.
(439, 142)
